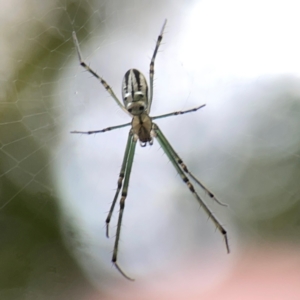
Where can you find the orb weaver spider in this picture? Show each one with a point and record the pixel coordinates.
(137, 104)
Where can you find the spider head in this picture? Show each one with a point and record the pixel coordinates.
(135, 92)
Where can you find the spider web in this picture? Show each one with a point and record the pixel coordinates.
(244, 145)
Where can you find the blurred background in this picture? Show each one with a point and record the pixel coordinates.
(241, 58)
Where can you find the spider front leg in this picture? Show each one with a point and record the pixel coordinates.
(124, 174)
(120, 181)
(179, 160)
(179, 166)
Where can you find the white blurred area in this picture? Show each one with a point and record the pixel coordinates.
(240, 58)
(247, 39)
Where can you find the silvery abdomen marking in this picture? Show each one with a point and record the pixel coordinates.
(135, 92)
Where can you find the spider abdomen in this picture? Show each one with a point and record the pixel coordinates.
(135, 92)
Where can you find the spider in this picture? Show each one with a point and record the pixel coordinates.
(137, 104)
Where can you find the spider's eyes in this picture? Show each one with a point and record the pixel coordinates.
(130, 110)
(141, 108)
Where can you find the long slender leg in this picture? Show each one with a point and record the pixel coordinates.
(122, 204)
(151, 72)
(120, 181)
(171, 155)
(103, 82)
(176, 113)
(185, 169)
(102, 130)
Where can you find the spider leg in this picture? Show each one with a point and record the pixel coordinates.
(120, 182)
(102, 130)
(124, 173)
(151, 71)
(103, 82)
(182, 164)
(176, 113)
(180, 167)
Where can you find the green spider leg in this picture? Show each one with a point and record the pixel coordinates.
(124, 174)
(181, 169)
